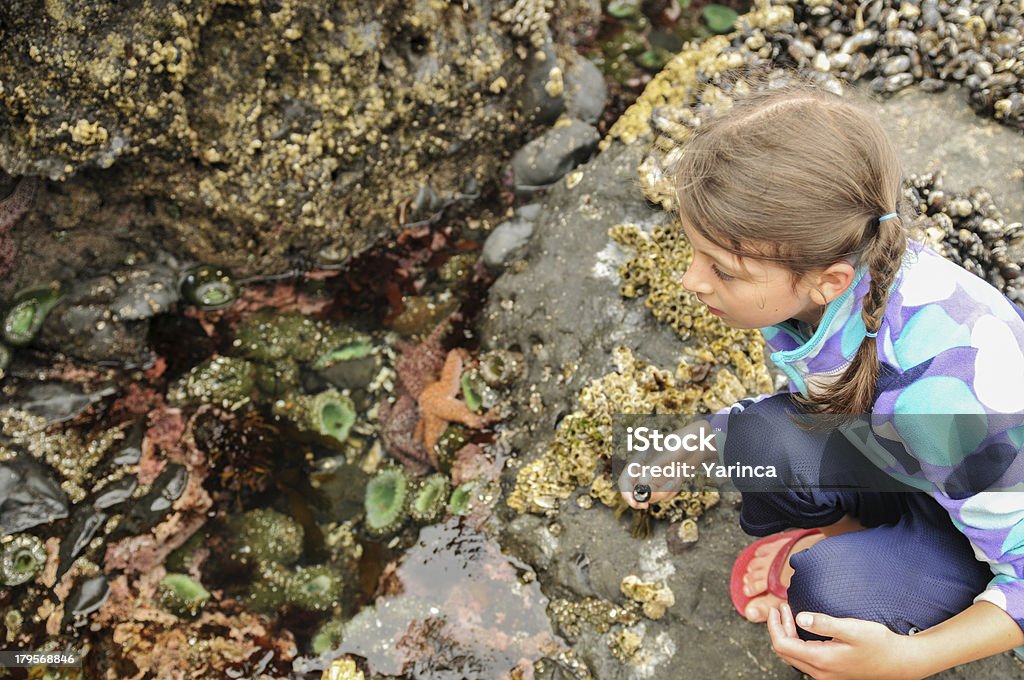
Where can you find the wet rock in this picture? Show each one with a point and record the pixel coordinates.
(105, 318)
(78, 537)
(130, 450)
(147, 511)
(585, 88)
(505, 241)
(28, 496)
(57, 401)
(115, 493)
(556, 152)
(87, 598)
(244, 133)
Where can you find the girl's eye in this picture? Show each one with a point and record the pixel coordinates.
(720, 274)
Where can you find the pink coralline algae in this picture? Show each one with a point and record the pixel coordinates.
(12, 209)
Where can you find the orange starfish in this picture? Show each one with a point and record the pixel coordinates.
(438, 405)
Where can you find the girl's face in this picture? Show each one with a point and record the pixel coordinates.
(759, 295)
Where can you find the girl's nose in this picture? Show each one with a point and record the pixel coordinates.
(695, 282)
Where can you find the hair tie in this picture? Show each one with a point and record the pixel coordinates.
(871, 335)
(885, 217)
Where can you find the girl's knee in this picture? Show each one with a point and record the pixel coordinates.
(829, 579)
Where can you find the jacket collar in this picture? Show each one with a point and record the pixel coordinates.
(830, 348)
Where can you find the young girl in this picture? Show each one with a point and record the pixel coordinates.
(791, 201)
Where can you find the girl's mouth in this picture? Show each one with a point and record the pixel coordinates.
(716, 312)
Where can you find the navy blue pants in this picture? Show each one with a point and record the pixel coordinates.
(911, 569)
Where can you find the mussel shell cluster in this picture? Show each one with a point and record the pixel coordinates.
(968, 228)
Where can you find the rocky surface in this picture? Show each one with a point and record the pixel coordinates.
(560, 304)
(245, 134)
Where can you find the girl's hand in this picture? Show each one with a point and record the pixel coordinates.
(858, 648)
(663, 488)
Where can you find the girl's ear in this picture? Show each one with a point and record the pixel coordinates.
(834, 280)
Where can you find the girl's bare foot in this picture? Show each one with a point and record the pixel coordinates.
(755, 580)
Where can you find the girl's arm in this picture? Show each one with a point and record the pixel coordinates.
(981, 630)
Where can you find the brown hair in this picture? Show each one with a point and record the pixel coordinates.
(799, 176)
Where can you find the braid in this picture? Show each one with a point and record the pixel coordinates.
(854, 392)
(883, 256)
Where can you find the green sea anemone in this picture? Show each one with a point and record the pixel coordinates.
(265, 535)
(347, 349)
(21, 559)
(277, 378)
(209, 287)
(470, 393)
(386, 502)
(331, 414)
(316, 588)
(270, 588)
(269, 335)
(25, 316)
(428, 504)
(5, 359)
(462, 499)
(182, 595)
(328, 637)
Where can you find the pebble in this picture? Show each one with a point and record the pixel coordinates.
(506, 239)
(546, 159)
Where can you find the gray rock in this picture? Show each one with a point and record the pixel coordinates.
(556, 152)
(530, 211)
(585, 88)
(106, 318)
(506, 239)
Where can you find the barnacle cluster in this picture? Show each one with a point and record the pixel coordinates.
(70, 452)
(894, 44)
(528, 19)
(654, 598)
(572, 615)
(584, 437)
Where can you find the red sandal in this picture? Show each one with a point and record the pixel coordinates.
(740, 600)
